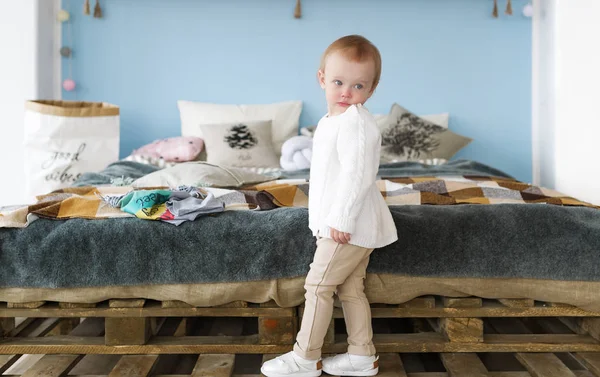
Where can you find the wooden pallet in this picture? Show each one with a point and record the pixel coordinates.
(568, 364)
(134, 327)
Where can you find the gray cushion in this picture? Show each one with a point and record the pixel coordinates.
(408, 137)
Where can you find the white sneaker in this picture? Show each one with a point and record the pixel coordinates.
(290, 364)
(346, 364)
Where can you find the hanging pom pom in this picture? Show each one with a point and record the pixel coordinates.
(528, 10)
(298, 10)
(63, 16)
(65, 52)
(97, 10)
(69, 85)
(509, 9)
(495, 12)
(86, 8)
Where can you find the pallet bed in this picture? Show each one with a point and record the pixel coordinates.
(134, 327)
(555, 330)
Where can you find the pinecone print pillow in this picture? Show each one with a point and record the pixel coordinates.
(408, 137)
(240, 144)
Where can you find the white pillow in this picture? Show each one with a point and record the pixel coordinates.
(240, 144)
(285, 117)
(439, 119)
(381, 119)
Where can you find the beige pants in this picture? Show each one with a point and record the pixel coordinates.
(343, 267)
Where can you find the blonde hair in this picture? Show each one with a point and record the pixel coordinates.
(358, 49)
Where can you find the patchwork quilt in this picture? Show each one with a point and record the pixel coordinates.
(94, 202)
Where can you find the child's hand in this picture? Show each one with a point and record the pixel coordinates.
(340, 237)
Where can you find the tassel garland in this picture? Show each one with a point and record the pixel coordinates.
(298, 10)
(509, 9)
(97, 10)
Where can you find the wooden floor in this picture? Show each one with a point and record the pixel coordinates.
(464, 364)
(391, 365)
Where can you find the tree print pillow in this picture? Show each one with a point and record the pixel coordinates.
(408, 137)
(240, 144)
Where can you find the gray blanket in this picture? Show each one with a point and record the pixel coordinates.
(415, 169)
(119, 170)
(488, 241)
(133, 170)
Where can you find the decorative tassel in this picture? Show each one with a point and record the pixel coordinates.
(298, 10)
(97, 10)
(509, 10)
(86, 8)
(495, 12)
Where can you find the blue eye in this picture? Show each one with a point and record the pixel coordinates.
(358, 86)
(337, 82)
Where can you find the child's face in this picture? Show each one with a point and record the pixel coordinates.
(346, 82)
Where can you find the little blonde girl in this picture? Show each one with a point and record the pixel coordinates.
(347, 215)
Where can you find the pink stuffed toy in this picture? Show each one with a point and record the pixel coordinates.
(175, 149)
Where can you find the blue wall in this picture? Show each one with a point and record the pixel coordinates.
(438, 56)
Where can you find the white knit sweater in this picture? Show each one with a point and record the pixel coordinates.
(343, 194)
